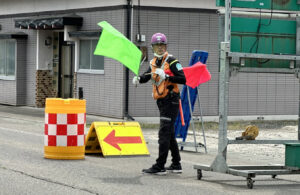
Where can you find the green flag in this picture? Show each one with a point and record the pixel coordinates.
(114, 44)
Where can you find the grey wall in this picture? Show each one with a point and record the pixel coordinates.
(249, 93)
(31, 67)
(14, 92)
(28, 6)
(104, 92)
(263, 94)
(7, 88)
(27, 60)
(186, 31)
(8, 92)
(21, 72)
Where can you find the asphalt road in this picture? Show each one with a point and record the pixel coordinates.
(24, 170)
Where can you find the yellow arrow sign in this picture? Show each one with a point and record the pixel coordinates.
(116, 139)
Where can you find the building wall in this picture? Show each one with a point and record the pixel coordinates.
(29, 6)
(101, 99)
(31, 67)
(186, 30)
(13, 92)
(7, 88)
(8, 92)
(44, 68)
(21, 72)
(104, 92)
(26, 59)
(44, 56)
(263, 94)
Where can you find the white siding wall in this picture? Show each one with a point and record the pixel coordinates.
(44, 53)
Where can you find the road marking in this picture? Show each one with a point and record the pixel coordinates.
(12, 117)
(20, 131)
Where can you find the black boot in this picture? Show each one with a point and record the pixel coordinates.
(174, 168)
(155, 170)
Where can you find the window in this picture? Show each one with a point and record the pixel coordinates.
(7, 58)
(88, 62)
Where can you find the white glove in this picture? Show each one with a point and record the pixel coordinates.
(161, 73)
(136, 80)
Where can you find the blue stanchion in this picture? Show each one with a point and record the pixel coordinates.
(181, 131)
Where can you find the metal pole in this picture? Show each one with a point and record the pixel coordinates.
(191, 113)
(219, 164)
(223, 97)
(128, 35)
(228, 21)
(251, 14)
(298, 66)
(221, 36)
(203, 133)
(224, 79)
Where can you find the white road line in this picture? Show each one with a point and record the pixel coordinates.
(13, 117)
(20, 131)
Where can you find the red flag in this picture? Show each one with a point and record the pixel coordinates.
(195, 74)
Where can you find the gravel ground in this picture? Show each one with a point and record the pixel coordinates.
(250, 153)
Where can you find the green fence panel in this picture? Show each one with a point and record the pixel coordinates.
(262, 36)
(289, 5)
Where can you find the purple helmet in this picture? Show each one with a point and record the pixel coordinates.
(159, 38)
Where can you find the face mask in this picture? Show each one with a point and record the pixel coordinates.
(159, 56)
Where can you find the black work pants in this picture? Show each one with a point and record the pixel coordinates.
(168, 109)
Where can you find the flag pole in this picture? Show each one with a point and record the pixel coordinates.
(140, 66)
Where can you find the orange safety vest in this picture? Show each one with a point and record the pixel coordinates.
(160, 89)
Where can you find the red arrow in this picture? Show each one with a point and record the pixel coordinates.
(114, 141)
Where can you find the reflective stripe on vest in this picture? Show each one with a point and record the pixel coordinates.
(165, 118)
(160, 86)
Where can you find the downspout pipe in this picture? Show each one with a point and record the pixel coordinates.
(128, 35)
